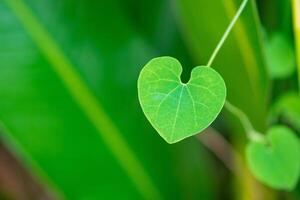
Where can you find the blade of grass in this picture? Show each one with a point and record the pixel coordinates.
(296, 16)
(86, 100)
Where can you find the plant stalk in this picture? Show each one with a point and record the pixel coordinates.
(225, 35)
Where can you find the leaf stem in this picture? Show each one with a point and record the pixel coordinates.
(252, 134)
(225, 35)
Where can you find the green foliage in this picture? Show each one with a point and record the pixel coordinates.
(70, 111)
(241, 59)
(287, 110)
(276, 162)
(280, 56)
(178, 110)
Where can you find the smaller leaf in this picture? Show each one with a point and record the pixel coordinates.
(280, 56)
(177, 110)
(287, 110)
(277, 162)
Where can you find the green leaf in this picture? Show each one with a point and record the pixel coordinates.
(280, 56)
(277, 162)
(241, 61)
(287, 110)
(175, 109)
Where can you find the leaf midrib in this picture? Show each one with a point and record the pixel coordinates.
(176, 114)
(183, 86)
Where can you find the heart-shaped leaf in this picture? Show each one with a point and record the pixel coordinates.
(277, 162)
(177, 110)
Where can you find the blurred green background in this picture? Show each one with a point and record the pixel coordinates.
(56, 54)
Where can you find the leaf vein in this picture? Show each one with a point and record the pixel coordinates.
(176, 114)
